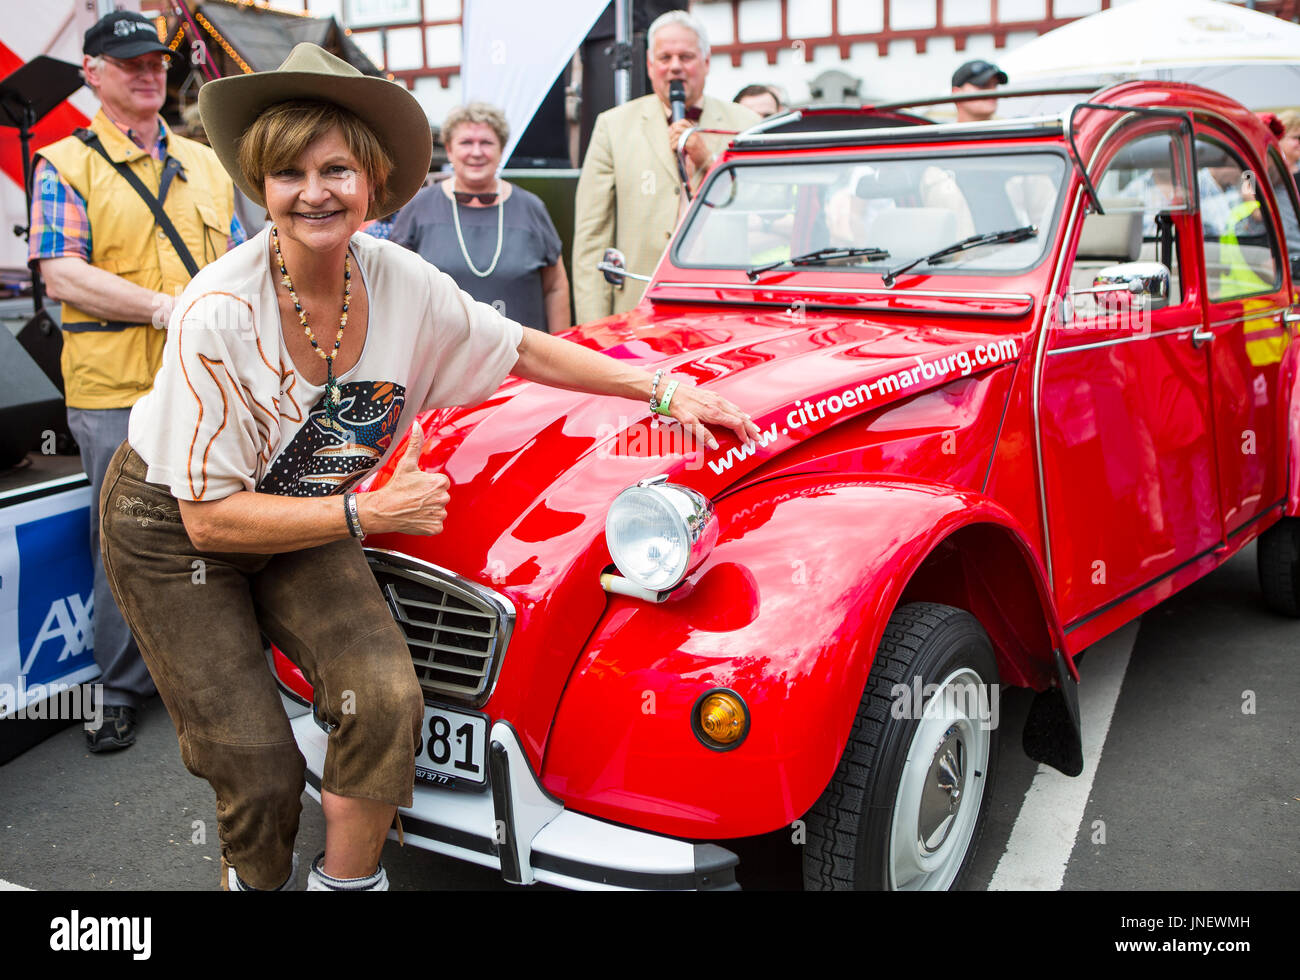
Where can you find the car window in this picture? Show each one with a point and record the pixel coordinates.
(755, 213)
(1284, 191)
(1241, 254)
(1142, 187)
(1147, 175)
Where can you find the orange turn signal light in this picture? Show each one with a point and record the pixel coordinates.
(720, 720)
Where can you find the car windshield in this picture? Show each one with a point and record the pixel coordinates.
(755, 214)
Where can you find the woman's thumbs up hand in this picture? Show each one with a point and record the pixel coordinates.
(412, 502)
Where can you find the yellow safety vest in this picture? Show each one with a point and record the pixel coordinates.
(110, 365)
(1265, 340)
(1238, 278)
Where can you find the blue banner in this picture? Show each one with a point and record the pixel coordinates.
(55, 596)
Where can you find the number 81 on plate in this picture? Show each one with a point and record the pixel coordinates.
(452, 747)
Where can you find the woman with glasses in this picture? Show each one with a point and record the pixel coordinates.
(494, 239)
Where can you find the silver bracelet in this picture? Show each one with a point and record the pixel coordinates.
(654, 386)
(352, 515)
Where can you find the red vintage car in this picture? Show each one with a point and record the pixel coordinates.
(1018, 382)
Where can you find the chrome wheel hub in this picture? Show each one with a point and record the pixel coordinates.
(941, 795)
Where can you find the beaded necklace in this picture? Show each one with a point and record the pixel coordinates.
(332, 390)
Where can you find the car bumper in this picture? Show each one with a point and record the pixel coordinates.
(518, 828)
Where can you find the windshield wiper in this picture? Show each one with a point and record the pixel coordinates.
(821, 255)
(974, 241)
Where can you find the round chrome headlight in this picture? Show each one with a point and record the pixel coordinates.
(657, 532)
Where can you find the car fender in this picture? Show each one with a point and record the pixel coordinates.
(787, 611)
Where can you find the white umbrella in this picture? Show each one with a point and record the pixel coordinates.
(511, 54)
(1251, 57)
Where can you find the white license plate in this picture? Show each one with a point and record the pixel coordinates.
(452, 748)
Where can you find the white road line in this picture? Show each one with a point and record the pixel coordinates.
(9, 886)
(1045, 831)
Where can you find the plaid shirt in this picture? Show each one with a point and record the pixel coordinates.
(380, 228)
(60, 225)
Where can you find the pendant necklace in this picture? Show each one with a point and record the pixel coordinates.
(332, 389)
(455, 214)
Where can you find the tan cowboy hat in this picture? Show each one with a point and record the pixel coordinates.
(229, 106)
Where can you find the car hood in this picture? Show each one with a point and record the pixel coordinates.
(534, 469)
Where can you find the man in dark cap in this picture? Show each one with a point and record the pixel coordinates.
(977, 76)
(116, 270)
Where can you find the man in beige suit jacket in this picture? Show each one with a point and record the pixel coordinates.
(629, 195)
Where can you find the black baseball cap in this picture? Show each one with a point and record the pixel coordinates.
(123, 34)
(978, 73)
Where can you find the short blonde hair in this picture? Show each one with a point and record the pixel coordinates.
(1290, 122)
(280, 134)
(476, 112)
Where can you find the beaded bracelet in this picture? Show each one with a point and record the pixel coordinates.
(654, 386)
(668, 397)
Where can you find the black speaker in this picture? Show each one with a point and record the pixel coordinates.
(30, 405)
(43, 340)
(598, 62)
(545, 140)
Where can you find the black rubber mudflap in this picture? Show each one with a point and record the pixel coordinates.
(1053, 735)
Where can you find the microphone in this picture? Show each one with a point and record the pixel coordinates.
(677, 98)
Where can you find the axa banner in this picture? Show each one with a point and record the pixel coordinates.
(46, 595)
(512, 53)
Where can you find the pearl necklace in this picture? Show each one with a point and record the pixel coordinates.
(332, 391)
(455, 215)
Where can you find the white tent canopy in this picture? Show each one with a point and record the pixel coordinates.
(1249, 56)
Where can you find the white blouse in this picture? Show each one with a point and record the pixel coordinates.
(229, 412)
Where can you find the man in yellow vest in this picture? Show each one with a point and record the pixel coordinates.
(116, 265)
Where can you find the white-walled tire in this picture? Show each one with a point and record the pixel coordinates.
(906, 806)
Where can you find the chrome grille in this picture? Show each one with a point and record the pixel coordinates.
(456, 629)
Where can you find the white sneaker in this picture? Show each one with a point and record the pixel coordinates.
(319, 881)
(235, 884)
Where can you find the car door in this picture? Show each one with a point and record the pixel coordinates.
(1126, 433)
(1246, 299)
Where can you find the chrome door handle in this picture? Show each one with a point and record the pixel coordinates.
(1200, 337)
(1291, 316)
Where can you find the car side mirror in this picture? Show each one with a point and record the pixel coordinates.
(1150, 279)
(1295, 270)
(614, 268)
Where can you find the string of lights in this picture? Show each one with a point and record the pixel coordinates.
(225, 45)
(266, 5)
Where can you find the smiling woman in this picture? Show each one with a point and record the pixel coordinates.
(273, 387)
(350, 162)
(494, 239)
